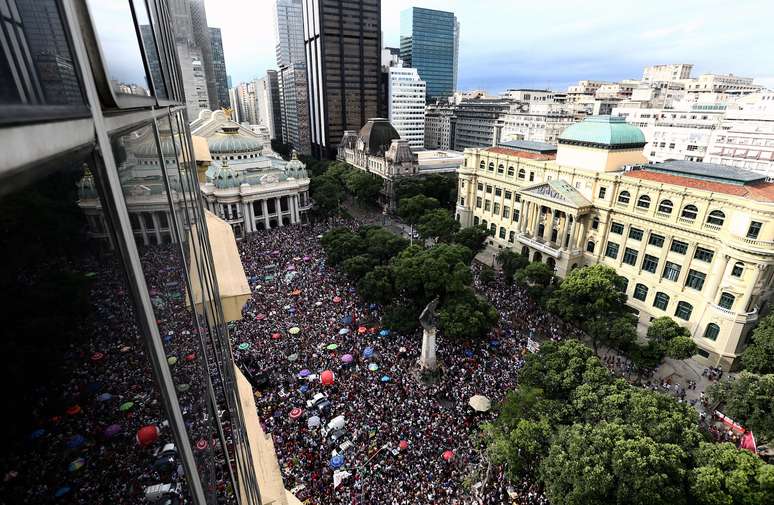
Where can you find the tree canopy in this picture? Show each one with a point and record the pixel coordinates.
(411, 209)
(472, 237)
(438, 224)
(510, 262)
(759, 355)
(748, 399)
(466, 316)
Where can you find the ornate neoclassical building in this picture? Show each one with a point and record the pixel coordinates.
(246, 184)
(694, 240)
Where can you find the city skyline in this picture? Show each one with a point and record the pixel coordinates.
(555, 47)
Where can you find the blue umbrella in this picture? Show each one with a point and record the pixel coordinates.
(372, 306)
(104, 397)
(37, 433)
(167, 339)
(75, 442)
(337, 461)
(343, 331)
(304, 388)
(368, 352)
(62, 491)
(304, 373)
(385, 378)
(494, 343)
(468, 353)
(384, 332)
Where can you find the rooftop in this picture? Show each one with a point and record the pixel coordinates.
(707, 171)
(608, 132)
(507, 151)
(758, 191)
(530, 146)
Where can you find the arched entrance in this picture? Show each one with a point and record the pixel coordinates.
(551, 262)
(537, 256)
(525, 251)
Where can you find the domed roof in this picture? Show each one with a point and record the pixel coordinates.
(377, 134)
(603, 131)
(231, 141)
(225, 178)
(295, 167)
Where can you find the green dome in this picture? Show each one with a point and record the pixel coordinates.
(231, 141)
(609, 132)
(226, 178)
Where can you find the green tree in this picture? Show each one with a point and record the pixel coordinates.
(382, 244)
(663, 329)
(520, 448)
(759, 355)
(401, 318)
(413, 208)
(592, 297)
(487, 275)
(667, 338)
(365, 187)
(423, 274)
(378, 285)
(357, 267)
(327, 194)
(536, 274)
(466, 316)
(438, 224)
(748, 399)
(510, 262)
(725, 475)
(472, 237)
(681, 347)
(341, 244)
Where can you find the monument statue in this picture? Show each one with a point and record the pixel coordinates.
(427, 361)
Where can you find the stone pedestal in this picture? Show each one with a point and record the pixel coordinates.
(428, 361)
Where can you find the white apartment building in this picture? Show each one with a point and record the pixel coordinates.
(536, 121)
(721, 83)
(667, 73)
(583, 88)
(439, 130)
(406, 105)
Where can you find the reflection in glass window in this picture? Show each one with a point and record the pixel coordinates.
(115, 29)
(151, 51)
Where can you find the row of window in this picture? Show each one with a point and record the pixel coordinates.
(683, 309)
(522, 174)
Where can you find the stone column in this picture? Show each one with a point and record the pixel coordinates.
(142, 228)
(562, 235)
(279, 211)
(716, 275)
(265, 208)
(573, 229)
(581, 236)
(520, 227)
(156, 227)
(548, 225)
(749, 288)
(248, 226)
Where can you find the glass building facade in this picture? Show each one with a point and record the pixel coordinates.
(429, 42)
(118, 378)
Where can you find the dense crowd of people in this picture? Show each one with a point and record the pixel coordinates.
(296, 291)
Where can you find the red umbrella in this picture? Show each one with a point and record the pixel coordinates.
(448, 455)
(97, 356)
(260, 317)
(403, 445)
(326, 377)
(295, 292)
(190, 357)
(362, 330)
(276, 336)
(336, 299)
(295, 413)
(147, 435)
(201, 444)
(75, 409)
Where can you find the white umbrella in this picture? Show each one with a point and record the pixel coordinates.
(313, 422)
(480, 403)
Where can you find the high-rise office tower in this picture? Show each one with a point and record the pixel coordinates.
(289, 32)
(291, 60)
(342, 40)
(406, 105)
(268, 100)
(114, 327)
(219, 69)
(201, 34)
(429, 42)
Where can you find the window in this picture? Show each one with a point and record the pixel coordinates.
(531, 176)
(624, 197)
(480, 187)
(727, 300)
(738, 269)
(602, 192)
(511, 236)
(683, 310)
(640, 292)
(491, 166)
(712, 331)
(665, 207)
(617, 228)
(475, 220)
(508, 195)
(704, 354)
(482, 165)
(488, 189)
(656, 240)
(661, 300)
(650, 263)
(522, 173)
(487, 205)
(478, 202)
(671, 271)
(515, 215)
(703, 254)
(695, 280)
(498, 192)
(492, 229)
(678, 246)
(716, 218)
(630, 256)
(590, 246)
(754, 230)
(635, 234)
(595, 223)
(612, 250)
(643, 202)
(500, 168)
(502, 232)
(689, 212)
(510, 172)
(496, 208)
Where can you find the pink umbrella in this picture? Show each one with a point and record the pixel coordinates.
(112, 430)
(403, 445)
(307, 258)
(336, 299)
(295, 413)
(260, 317)
(448, 455)
(347, 358)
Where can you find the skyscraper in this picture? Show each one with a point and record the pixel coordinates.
(291, 60)
(429, 42)
(201, 34)
(406, 105)
(342, 40)
(289, 32)
(219, 68)
(268, 100)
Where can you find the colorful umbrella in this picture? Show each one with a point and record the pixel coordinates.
(62, 491)
(347, 358)
(295, 413)
(343, 331)
(385, 332)
(346, 319)
(90, 274)
(76, 465)
(201, 444)
(403, 445)
(147, 435)
(362, 329)
(125, 348)
(332, 347)
(336, 299)
(313, 422)
(73, 410)
(297, 258)
(295, 292)
(276, 336)
(293, 357)
(326, 377)
(304, 373)
(373, 367)
(75, 442)
(172, 360)
(183, 387)
(294, 330)
(260, 317)
(243, 346)
(112, 430)
(125, 407)
(447, 455)
(190, 357)
(104, 397)
(317, 304)
(337, 461)
(37, 433)
(97, 356)
(368, 352)
(480, 403)
(307, 258)
(385, 378)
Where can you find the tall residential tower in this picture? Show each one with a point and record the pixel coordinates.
(291, 60)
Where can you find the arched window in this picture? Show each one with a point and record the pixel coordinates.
(475, 220)
(500, 168)
(684, 310)
(643, 202)
(492, 229)
(738, 269)
(522, 173)
(727, 300)
(712, 331)
(716, 217)
(624, 197)
(666, 206)
(689, 212)
(484, 223)
(661, 300)
(640, 292)
(491, 166)
(482, 165)
(510, 172)
(590, 246)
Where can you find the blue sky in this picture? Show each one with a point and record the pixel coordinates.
(550, 43)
